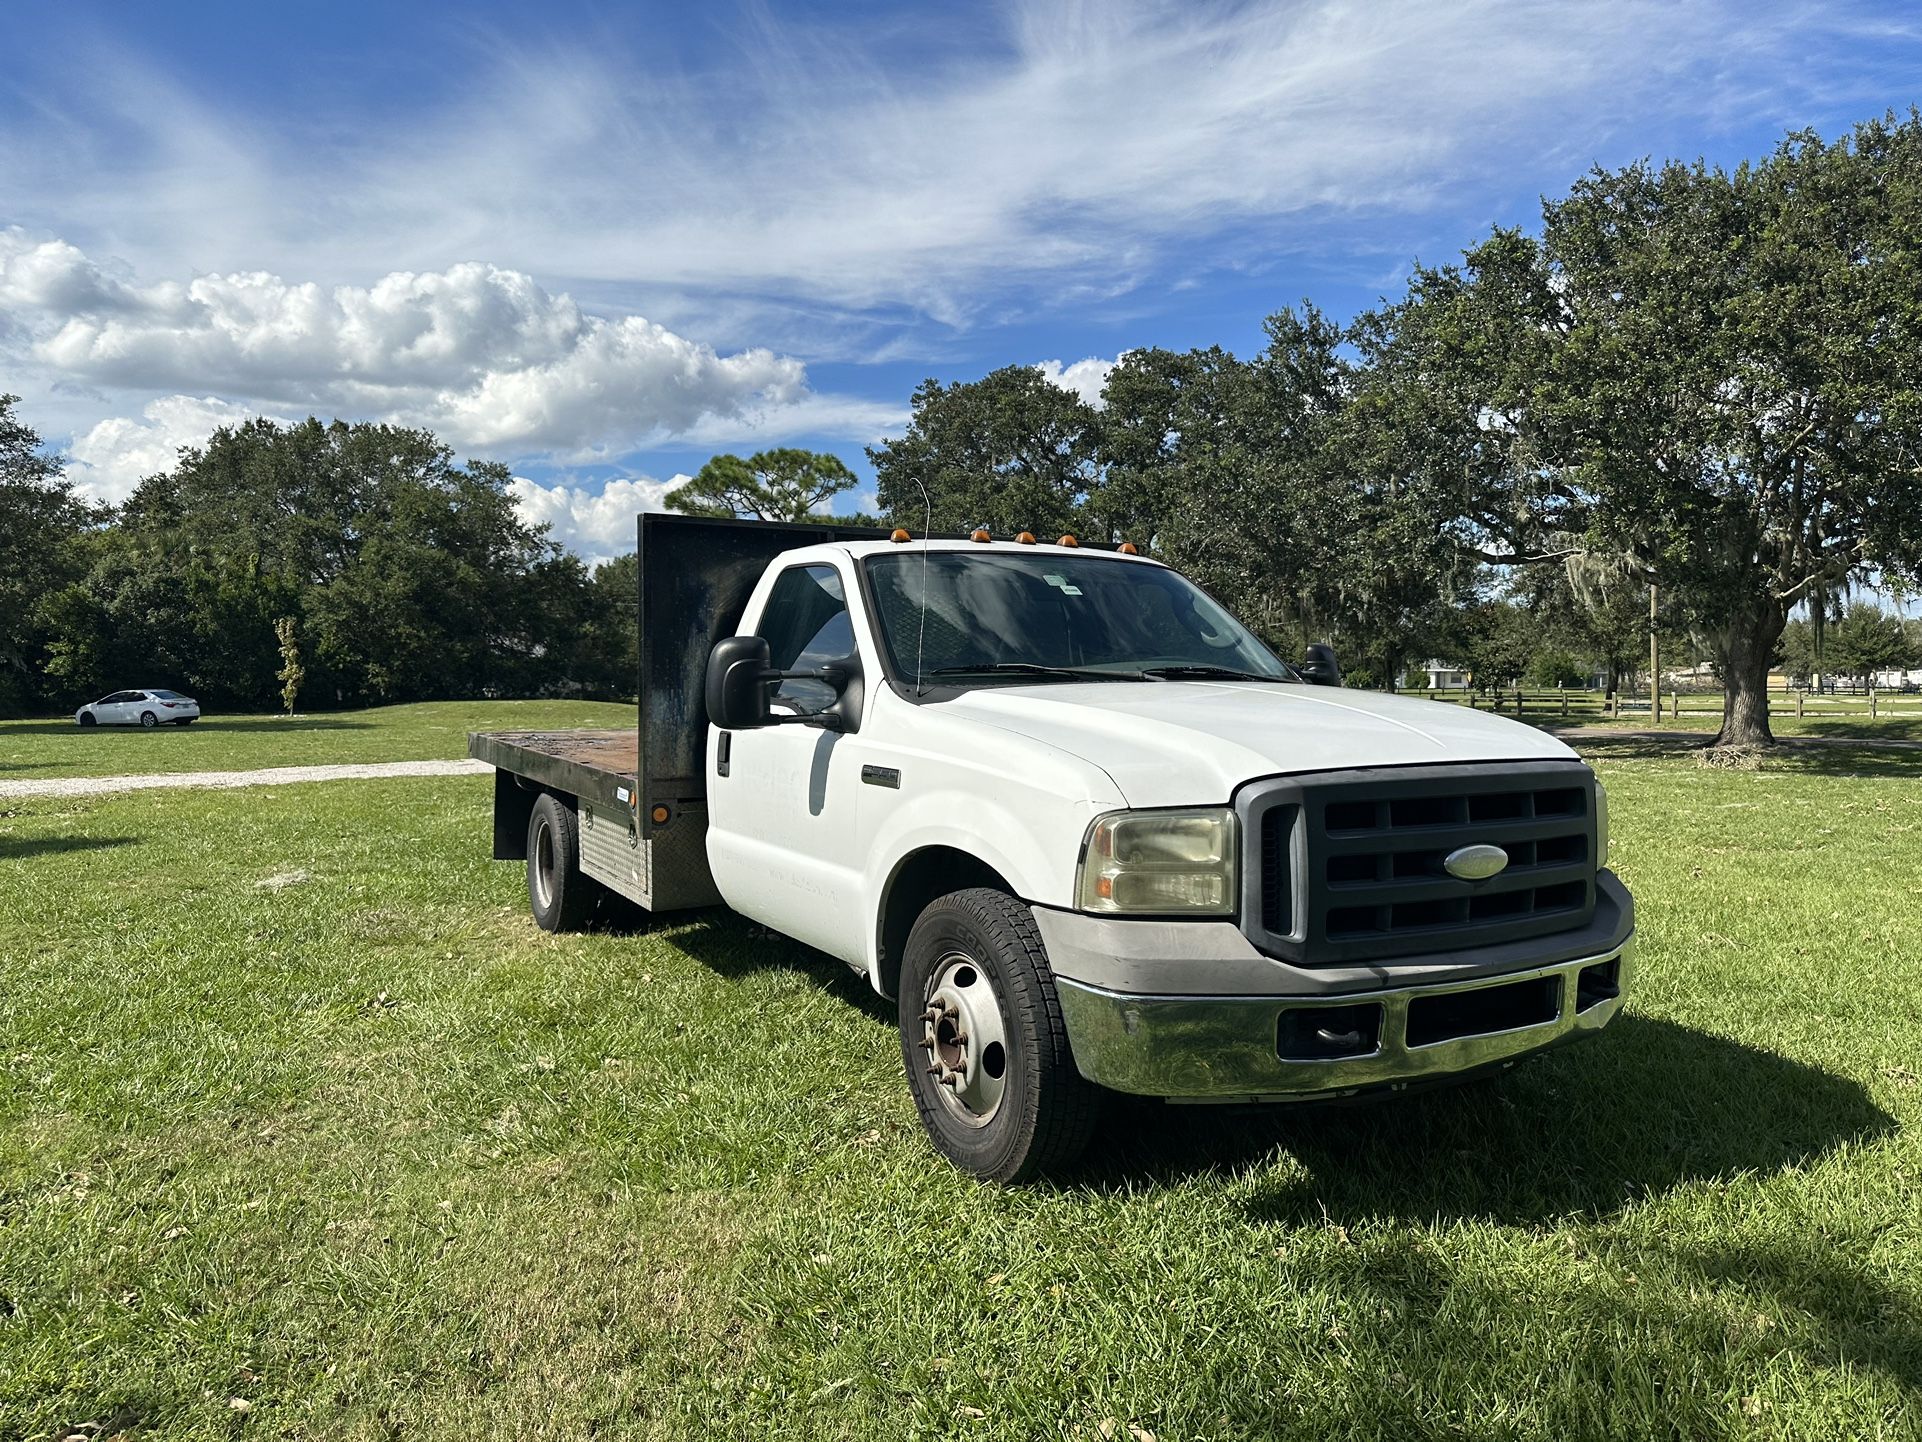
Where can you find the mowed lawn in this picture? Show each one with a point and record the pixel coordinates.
(430, 731)
(306, 1131)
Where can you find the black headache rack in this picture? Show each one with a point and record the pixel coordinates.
(696, 575)
(1350, 866)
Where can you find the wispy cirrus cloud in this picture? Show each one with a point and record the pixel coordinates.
(926, 168)
(642, 234)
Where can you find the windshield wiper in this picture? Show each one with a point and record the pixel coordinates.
(1204, 673)
(1032, 668)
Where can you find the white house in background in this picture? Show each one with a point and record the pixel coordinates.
(1441, 676)
(1699, 677)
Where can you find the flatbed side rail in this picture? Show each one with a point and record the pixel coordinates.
(592, 765)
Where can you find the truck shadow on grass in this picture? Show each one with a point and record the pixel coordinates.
(1659, 1350)
(1587, 1130)
(733, 947)
(1648, 1106)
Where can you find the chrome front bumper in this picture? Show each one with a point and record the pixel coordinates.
(1231, 1048)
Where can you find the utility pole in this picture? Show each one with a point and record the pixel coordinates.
(1654, 660)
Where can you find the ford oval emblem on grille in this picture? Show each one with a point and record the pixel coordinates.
(1475, 863)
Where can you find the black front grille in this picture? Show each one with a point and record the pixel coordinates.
(1350, 865)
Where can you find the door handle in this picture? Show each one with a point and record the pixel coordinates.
(723, 756)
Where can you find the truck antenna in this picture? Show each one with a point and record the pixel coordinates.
(927, 529)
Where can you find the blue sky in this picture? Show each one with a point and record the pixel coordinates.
(603, 242)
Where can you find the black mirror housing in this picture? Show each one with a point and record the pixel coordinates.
(738, 674)
(1319, 667)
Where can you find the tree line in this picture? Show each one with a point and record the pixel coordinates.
(312, 564)
(1706, 382)
(326, 565)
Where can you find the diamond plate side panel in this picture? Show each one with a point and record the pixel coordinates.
(666, 873)
(678, 855)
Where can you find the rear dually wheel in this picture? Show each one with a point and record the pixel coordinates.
(561, 896)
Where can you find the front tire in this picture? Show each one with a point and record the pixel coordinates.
(984, 1044)
(561, 896)
(87, 718)
(149, 720)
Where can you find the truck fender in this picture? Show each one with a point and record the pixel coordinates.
(926, 854)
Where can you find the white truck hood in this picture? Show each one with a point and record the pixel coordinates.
(1191, 743)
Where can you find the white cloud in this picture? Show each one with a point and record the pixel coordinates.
(936, 165)
(597, 527)
(1085, 377)
(109, 460)
(482, 355)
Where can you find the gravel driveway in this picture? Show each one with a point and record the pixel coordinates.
(267, 776)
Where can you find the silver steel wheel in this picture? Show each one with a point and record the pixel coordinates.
(964, 1040)
(544, 864)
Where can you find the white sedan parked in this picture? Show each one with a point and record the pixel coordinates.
(140, 708)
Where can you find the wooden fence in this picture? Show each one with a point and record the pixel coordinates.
(1597, 705)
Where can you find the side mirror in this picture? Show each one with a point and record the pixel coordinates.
(739, 678)
(1319, 667)
(737, 682)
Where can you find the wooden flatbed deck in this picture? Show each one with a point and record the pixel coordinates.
(598, 765)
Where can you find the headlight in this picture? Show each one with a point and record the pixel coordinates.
(1154, 862)
(1601, 823)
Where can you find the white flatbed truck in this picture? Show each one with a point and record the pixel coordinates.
(1088, 831)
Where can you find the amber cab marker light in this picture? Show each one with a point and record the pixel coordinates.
(1129, 548)
(1067, 541)
(900, 535)
(1026, 538)
(660, 815)
(979, 536)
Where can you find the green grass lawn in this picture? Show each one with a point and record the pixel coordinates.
(425, 732)
(306, 1131)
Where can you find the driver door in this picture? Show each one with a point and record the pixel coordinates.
(783, 838)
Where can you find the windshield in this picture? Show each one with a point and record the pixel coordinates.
(1033, 614)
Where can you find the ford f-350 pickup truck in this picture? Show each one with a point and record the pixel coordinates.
(1088, 830)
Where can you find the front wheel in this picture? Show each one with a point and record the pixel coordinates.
(984, 1043)
(149, 720)
(87, 718)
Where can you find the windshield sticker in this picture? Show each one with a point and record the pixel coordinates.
(1062, 582)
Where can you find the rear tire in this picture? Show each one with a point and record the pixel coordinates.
(561, 896)
(149, 720)
(983, 1041)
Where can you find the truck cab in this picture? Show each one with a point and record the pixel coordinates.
(1089, 832)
